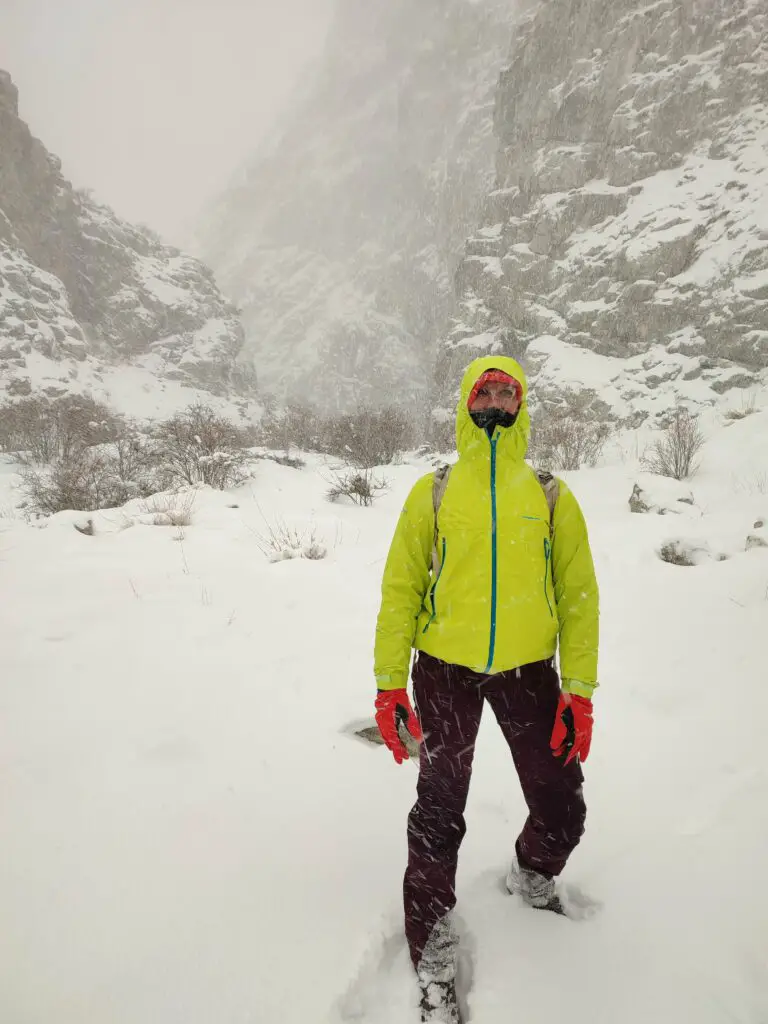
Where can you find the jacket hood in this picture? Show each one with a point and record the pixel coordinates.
(513, 440)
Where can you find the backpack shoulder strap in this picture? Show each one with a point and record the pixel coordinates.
(439, 484)
(549, 484)
(551, 487)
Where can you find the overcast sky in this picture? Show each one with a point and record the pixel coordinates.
(154, 103)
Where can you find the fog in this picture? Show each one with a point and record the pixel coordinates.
(154, 103)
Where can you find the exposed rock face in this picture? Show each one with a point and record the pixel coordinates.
(624, 249)
(79, 288)
(340, 240)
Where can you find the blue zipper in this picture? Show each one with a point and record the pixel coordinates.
(432, 592)
(494, 551)
(547, 556)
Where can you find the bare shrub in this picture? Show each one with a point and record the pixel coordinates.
(84, 480)
(360, 485)
(200, 446)
(80, 456)
(757, 484)
(366, 438)
(101, 476)
(280, 542)
(748, 408)
(295, 426)
(688, 553)
(174, 509)
(42, 431)
(135, 459)
(138, 462)
(675, 453)
(676, 554)
(561, 440)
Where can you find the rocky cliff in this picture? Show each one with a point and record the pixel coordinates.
(623, 252)
(340, 239)
(81, 290)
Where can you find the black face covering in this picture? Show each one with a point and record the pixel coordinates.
(489, 419)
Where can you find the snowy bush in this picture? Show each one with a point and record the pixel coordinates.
(280, 542)
(85, 480)
(359, 485)
(42, 431)
(563, 439)
(674, 454)
(199, 446)
(95, 477)
(748, 408)
(80, 456)
(364, 439)
(295, 426)
(172, 509)
(688, 553)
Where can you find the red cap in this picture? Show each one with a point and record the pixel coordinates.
(495, 377)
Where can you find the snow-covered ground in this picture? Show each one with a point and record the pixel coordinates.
(191, 834)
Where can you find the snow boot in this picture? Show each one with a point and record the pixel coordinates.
(535, 889)
(436, 975)
(439, 1004)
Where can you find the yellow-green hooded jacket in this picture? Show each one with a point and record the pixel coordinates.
(503, 593)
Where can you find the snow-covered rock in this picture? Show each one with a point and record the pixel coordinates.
(661, 496)
(630, 210)
(758, 536)
(82, 290)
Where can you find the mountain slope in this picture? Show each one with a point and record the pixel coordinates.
(340, 240)
(624, 250)
(82, 291)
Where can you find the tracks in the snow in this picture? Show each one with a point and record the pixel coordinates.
(384, 990)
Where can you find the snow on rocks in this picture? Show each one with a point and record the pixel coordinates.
(651, 240)
(82, 291)
(662, 496)
(758, 536)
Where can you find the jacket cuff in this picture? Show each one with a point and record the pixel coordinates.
(386, 681)
(578, 688)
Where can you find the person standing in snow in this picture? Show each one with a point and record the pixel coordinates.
(483, 580)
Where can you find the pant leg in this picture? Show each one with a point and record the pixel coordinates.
(449, 705)
(524, 702)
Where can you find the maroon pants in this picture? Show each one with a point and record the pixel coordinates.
(449, 701)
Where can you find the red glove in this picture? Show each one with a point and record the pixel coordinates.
(572, 733)
(392, 708)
